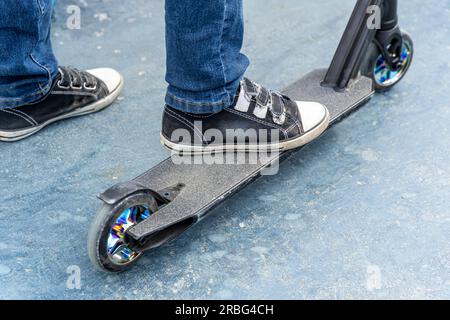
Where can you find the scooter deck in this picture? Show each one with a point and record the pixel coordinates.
(205, 186)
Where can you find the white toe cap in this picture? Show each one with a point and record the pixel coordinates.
(109, 76)
(312, 114)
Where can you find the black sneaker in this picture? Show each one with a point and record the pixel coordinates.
(74, 93)
(260, 119)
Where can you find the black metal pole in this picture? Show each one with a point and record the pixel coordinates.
(355, 39)
(390, 15)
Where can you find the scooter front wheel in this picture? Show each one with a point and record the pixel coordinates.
(383, 76)
(108, 245)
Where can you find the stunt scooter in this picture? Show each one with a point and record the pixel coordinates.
(165, 201)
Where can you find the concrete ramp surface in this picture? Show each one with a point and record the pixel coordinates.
(363, 212)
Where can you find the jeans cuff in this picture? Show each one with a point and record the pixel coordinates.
(202, 102)
(6, 103)
(195, 107)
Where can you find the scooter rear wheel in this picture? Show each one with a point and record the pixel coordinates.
(108, 246)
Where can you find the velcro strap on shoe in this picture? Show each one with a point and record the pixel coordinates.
(278, 107)
(243, 102)
(249, 87)
(263, 98)
(263, 101)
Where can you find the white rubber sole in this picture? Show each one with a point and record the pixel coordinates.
(11, 136)
(280, 146)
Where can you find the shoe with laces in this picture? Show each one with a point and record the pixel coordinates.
(259, 119)
(73, 93)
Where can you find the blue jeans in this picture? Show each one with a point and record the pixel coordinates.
(204, 62)
(203, 40)
(27, 63)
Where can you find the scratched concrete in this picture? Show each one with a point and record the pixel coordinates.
(364, 212)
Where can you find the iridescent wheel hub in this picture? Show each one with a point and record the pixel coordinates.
(386, 77)
(118, 250)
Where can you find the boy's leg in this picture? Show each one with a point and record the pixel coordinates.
(34, 91)
(28, 65)
(208, 98)
(204, 62)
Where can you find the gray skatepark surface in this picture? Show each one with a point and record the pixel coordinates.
(363, 212)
